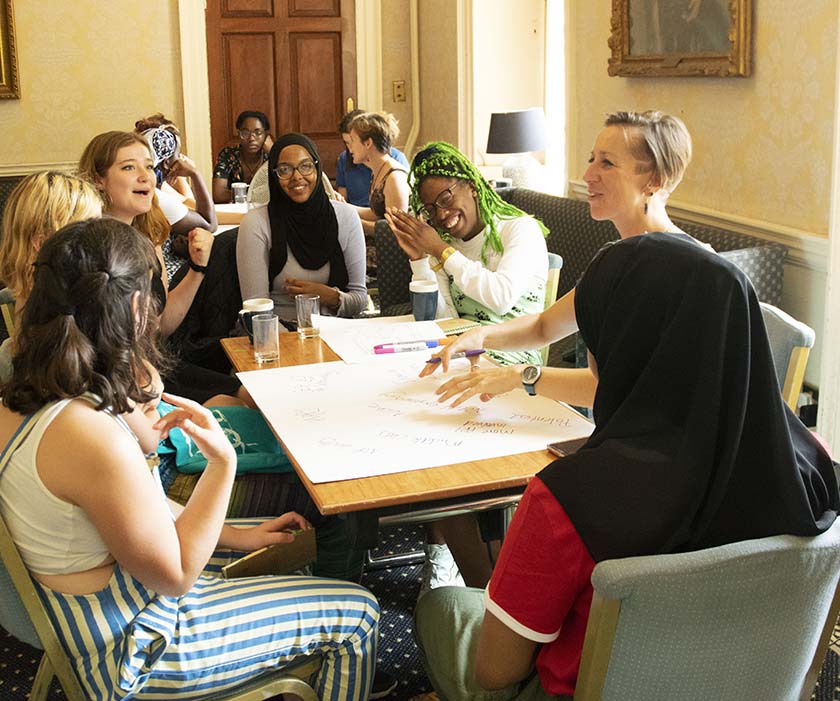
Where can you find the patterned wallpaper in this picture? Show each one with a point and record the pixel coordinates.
(87, 67)
(762, 145)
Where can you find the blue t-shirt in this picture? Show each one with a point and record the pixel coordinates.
(356, 178)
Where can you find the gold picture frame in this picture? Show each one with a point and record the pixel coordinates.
(654, 38)
(9, 84)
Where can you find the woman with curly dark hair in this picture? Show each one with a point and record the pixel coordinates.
(129, 580)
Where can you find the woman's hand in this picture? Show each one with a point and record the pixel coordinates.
(471, 340)
(329, 296)
(277, 530)
(414, 236)
(268, 143)
(200, 425)
(484, 383)
(200, 242)
(181, 166)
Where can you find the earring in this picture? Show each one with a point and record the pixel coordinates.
(647, 199)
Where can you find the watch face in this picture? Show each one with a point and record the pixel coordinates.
(530, 374)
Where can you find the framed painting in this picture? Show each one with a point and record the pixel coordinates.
(681, 38)
(9, 86)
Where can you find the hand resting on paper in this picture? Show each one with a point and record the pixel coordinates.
(471, 340)
(484, 383)
(277, 530)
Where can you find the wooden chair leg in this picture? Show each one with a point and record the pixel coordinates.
(43, 679)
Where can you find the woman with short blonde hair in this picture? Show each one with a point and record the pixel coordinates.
(371, 134)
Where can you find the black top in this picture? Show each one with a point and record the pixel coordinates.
(693, 445)
(376, 197)
(310, 229)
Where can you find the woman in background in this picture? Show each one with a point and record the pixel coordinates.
(182, 194)
(129, 580)
(352, 180)
(238, 164)
(369, 144)
(674, 333)
(301, 241)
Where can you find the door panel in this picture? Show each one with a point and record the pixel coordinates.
(295, 60)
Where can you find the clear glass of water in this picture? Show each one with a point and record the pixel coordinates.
(266, 338)
(308, 315)
(240, 192)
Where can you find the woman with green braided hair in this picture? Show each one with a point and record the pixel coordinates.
(489, 258)
(491, 263)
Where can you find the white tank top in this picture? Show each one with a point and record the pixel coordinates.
(52, 535)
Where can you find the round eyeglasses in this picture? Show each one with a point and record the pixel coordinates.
(284, 171)
(246, 134)
(444, 200)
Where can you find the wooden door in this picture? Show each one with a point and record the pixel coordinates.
(294, 60)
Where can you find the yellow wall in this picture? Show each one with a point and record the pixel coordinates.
(396, 62)
(438, 71)
(85, 68)
(762, 144)
(509, 65)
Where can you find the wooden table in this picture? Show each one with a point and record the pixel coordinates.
(428, 493)
(231, 213)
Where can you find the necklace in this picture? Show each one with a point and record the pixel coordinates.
(249, 170)
(376, 176)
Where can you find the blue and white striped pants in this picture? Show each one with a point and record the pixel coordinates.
(129, 643)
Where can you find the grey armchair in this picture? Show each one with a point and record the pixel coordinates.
(749, 620)
(791, 342)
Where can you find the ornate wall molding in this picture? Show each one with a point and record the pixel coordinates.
(10, 169)
(804, 248)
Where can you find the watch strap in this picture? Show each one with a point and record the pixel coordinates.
(195, 266)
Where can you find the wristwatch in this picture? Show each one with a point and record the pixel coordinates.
(530, 377)
(195, 266)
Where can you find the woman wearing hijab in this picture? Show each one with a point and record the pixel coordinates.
(693, 448)
(301, 241)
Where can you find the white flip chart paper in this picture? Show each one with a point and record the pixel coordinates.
(343, 421)
(353, 339)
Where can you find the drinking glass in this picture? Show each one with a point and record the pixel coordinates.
(266, 338)
(308, 315)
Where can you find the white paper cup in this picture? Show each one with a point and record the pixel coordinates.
(252, 307)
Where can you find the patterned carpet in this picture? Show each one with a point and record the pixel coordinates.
(396, 590)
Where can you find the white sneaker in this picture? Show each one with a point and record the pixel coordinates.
(439, 569)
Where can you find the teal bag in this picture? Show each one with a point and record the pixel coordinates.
(257, 450)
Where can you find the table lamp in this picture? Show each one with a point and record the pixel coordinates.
(518, 133)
